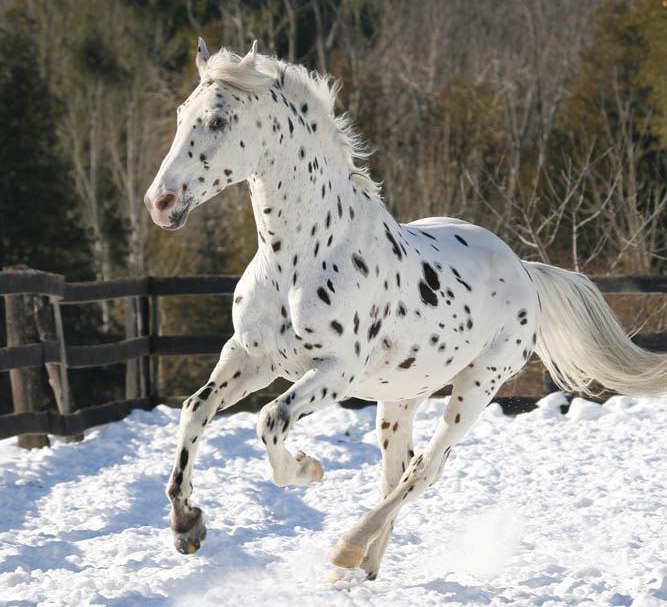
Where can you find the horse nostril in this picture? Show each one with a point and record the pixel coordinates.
(165, 201)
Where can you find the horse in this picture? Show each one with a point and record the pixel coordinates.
(344, 301)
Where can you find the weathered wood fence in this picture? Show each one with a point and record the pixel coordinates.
(36, 337)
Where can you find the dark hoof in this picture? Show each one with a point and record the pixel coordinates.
(190, 540)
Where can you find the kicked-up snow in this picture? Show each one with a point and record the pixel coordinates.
(542, 509)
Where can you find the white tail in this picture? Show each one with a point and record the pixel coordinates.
(580, 340)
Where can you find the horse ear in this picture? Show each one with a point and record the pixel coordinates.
(251, 57)
(202, 56)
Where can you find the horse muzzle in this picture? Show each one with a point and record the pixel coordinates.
(166, 210)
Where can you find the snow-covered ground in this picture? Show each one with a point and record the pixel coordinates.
(543, 509)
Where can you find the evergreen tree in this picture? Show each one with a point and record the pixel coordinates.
(40, 225)
(40, 221)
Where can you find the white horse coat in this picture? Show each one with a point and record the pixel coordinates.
(344, 301)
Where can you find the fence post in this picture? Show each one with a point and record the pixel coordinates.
(27, 393)
(154, 331)
(131, 366)
(144, 361)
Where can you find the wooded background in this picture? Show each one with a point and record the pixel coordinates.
(543, 120)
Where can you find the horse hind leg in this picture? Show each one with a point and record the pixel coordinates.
(377, 547)
(394, 434)
(473, 389)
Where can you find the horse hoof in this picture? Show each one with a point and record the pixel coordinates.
(347, 556)
(310, 469)
(188, 542)
(316, 472)
(307, 470)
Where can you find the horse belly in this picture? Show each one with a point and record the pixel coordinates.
(419, 363)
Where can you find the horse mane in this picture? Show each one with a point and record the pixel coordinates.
(299, 85)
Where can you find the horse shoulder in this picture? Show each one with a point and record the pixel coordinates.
(256, 307)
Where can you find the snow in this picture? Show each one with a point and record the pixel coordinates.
(542, 509)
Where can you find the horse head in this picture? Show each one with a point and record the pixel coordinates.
(213, 146)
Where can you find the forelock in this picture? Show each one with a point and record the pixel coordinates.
(226, 67)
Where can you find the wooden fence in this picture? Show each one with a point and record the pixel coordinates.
(144, 345)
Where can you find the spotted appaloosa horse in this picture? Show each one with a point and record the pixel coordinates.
(344, 301)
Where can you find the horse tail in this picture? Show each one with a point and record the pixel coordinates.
(580, 340)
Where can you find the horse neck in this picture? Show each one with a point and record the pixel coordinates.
(301, 195)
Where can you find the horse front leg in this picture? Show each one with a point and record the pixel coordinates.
(235, 375)
(319, 387)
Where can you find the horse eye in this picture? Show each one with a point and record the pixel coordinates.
(217, 123)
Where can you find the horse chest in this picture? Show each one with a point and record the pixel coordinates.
(292, 326)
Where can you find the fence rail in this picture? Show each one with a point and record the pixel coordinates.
(44, 283)
(149, 344)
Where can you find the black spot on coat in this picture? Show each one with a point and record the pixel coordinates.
(396, 250)
(427, 295)
(374, 329)
(183, 460)
(360, 264)
(431, 277)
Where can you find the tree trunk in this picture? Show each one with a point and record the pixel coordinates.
(291, 31)
(319, 38)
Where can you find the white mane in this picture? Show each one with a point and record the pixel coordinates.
(299, 86)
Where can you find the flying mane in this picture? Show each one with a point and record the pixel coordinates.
(300, 86)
